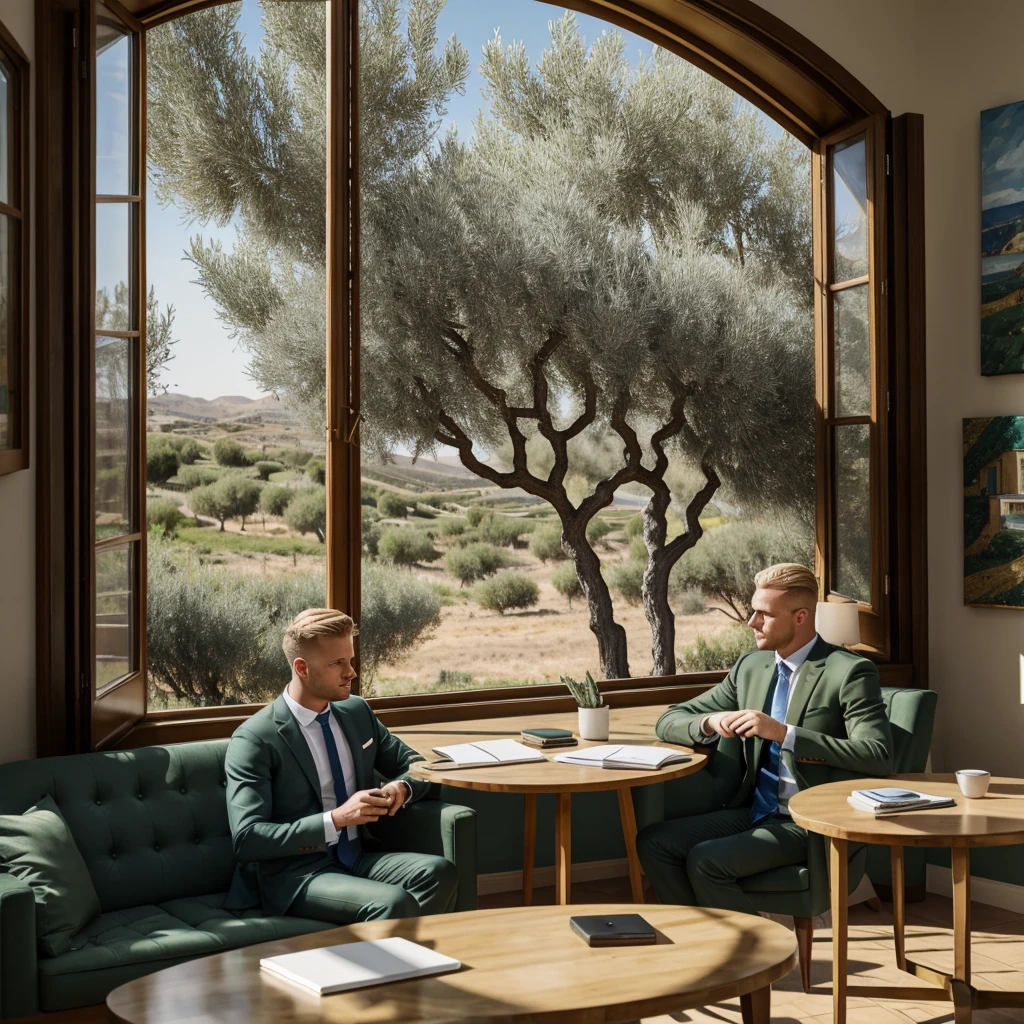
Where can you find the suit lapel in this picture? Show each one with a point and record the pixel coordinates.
(757, 697)
(348, 729)
(810, 673)
(291, 733)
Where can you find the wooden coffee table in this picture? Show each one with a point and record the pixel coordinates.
(995, 820)
(520, 965)
(632, 725)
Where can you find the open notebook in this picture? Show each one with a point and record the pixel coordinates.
(358, 964)
(617, 755)
(484, 754)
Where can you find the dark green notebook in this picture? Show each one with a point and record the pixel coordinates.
(545, 738)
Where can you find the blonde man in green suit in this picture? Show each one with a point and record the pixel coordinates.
(797, 712)
(303, 798)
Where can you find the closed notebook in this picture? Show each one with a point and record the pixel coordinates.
(613, 930)
(358, 964)
(546, 738)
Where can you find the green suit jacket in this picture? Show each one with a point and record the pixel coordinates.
(836, 706)
(275, 808)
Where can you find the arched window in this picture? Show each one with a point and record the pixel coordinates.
(510, 369)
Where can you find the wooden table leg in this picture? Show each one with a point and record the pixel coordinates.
(529, 845)
(628, 816)
(839, 875)
(899, 906)
(961, 934)
(563, 847)
(756, 1006)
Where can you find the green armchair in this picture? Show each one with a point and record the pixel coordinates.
(151, 825)
(799, 890)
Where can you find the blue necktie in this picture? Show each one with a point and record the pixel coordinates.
(347, 850)
(766, 796)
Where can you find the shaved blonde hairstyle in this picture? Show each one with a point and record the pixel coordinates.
(307, 627)
(794, 578)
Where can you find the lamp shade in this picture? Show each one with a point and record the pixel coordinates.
(838, 623)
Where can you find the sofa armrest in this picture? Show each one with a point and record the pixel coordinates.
(445, 830)
(19, 989)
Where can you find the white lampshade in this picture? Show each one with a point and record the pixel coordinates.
(838, 623)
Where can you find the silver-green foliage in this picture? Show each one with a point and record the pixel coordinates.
(585, 691)
(233, 496)
(475, 561)
(546, 544)
(721, 651)
(506, 592)
(406, 546)
(275, 499)
(307, 512)
(567, 583)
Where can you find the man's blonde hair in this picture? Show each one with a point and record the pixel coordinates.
(794, 578)
(308, 626)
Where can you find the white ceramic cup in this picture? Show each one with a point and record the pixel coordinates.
(593, 723)
(973, 782)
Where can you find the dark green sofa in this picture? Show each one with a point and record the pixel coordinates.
(152, 827)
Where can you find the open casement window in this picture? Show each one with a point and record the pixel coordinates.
(850, 177)
(14, 398)
(114, 342)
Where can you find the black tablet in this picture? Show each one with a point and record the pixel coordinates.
(613, 930)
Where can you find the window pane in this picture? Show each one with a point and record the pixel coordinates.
(531, 259)
(113, 106)
(853, 511)
(852, 352)
(9, 396)
(849, 178)
(114, 626)
(114, 389)
(5, 135)
(114, 299)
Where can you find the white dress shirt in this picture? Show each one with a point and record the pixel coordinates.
(794, 663)
(314, 736)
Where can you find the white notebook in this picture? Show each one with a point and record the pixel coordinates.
(484, 754)
(358, 964)
(617, 755)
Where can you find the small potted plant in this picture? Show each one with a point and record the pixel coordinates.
(593, 712)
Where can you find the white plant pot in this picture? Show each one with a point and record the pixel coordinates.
(593, 723)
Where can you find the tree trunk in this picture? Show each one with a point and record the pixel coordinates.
(221, 530)
(659, 613)
(611, 637)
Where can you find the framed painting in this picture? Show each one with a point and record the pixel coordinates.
(994, 511)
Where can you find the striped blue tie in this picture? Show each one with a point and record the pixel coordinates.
(347, 850)
(766, 796)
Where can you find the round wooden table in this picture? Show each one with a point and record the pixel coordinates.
(628, 725)
(520, 965)
(997, 819)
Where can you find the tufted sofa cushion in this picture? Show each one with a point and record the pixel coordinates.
(123, 944)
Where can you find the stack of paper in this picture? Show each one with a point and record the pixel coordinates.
(484, 754)
(617, 755)
(889, 800)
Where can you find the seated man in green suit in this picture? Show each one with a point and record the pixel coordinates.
(803, 711)
(302, 799)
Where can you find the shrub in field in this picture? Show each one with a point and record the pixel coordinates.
(626, 579)
(504, 530)
(405, 547)
(398, 612)
(295, 458)
(275, 499)
(453, 679)
(371, 538)
(505, 592)
(307, 512)
(368, 500)
(474, 562)
(161, 463)
(164, 515)
(567, 583)
(265, 468)
(391, 506)
(231, 497)
(690, 601)
(453, 527)
(597, 530)
(546, 544)
(197, 476)
(475, 515)
(720, 652)
(317, 471)
(230, 453)
(423, 511)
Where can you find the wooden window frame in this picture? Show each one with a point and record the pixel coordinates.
(751, 51)
(17, 208)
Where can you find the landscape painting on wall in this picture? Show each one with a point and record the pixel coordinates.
(994, 511)
(1002, 239)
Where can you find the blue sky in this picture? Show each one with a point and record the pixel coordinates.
(1002, 155)
(207, 361)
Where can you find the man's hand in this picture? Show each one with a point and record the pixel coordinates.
(752, 723)
(362, 808)
(399, 792)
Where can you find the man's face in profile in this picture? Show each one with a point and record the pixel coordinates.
(774, 621)
(328, 667)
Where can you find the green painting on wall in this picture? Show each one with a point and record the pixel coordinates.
(994, 511)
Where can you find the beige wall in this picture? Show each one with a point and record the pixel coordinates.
(948, 60)
(17, 541)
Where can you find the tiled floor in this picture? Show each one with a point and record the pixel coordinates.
(997, 954)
